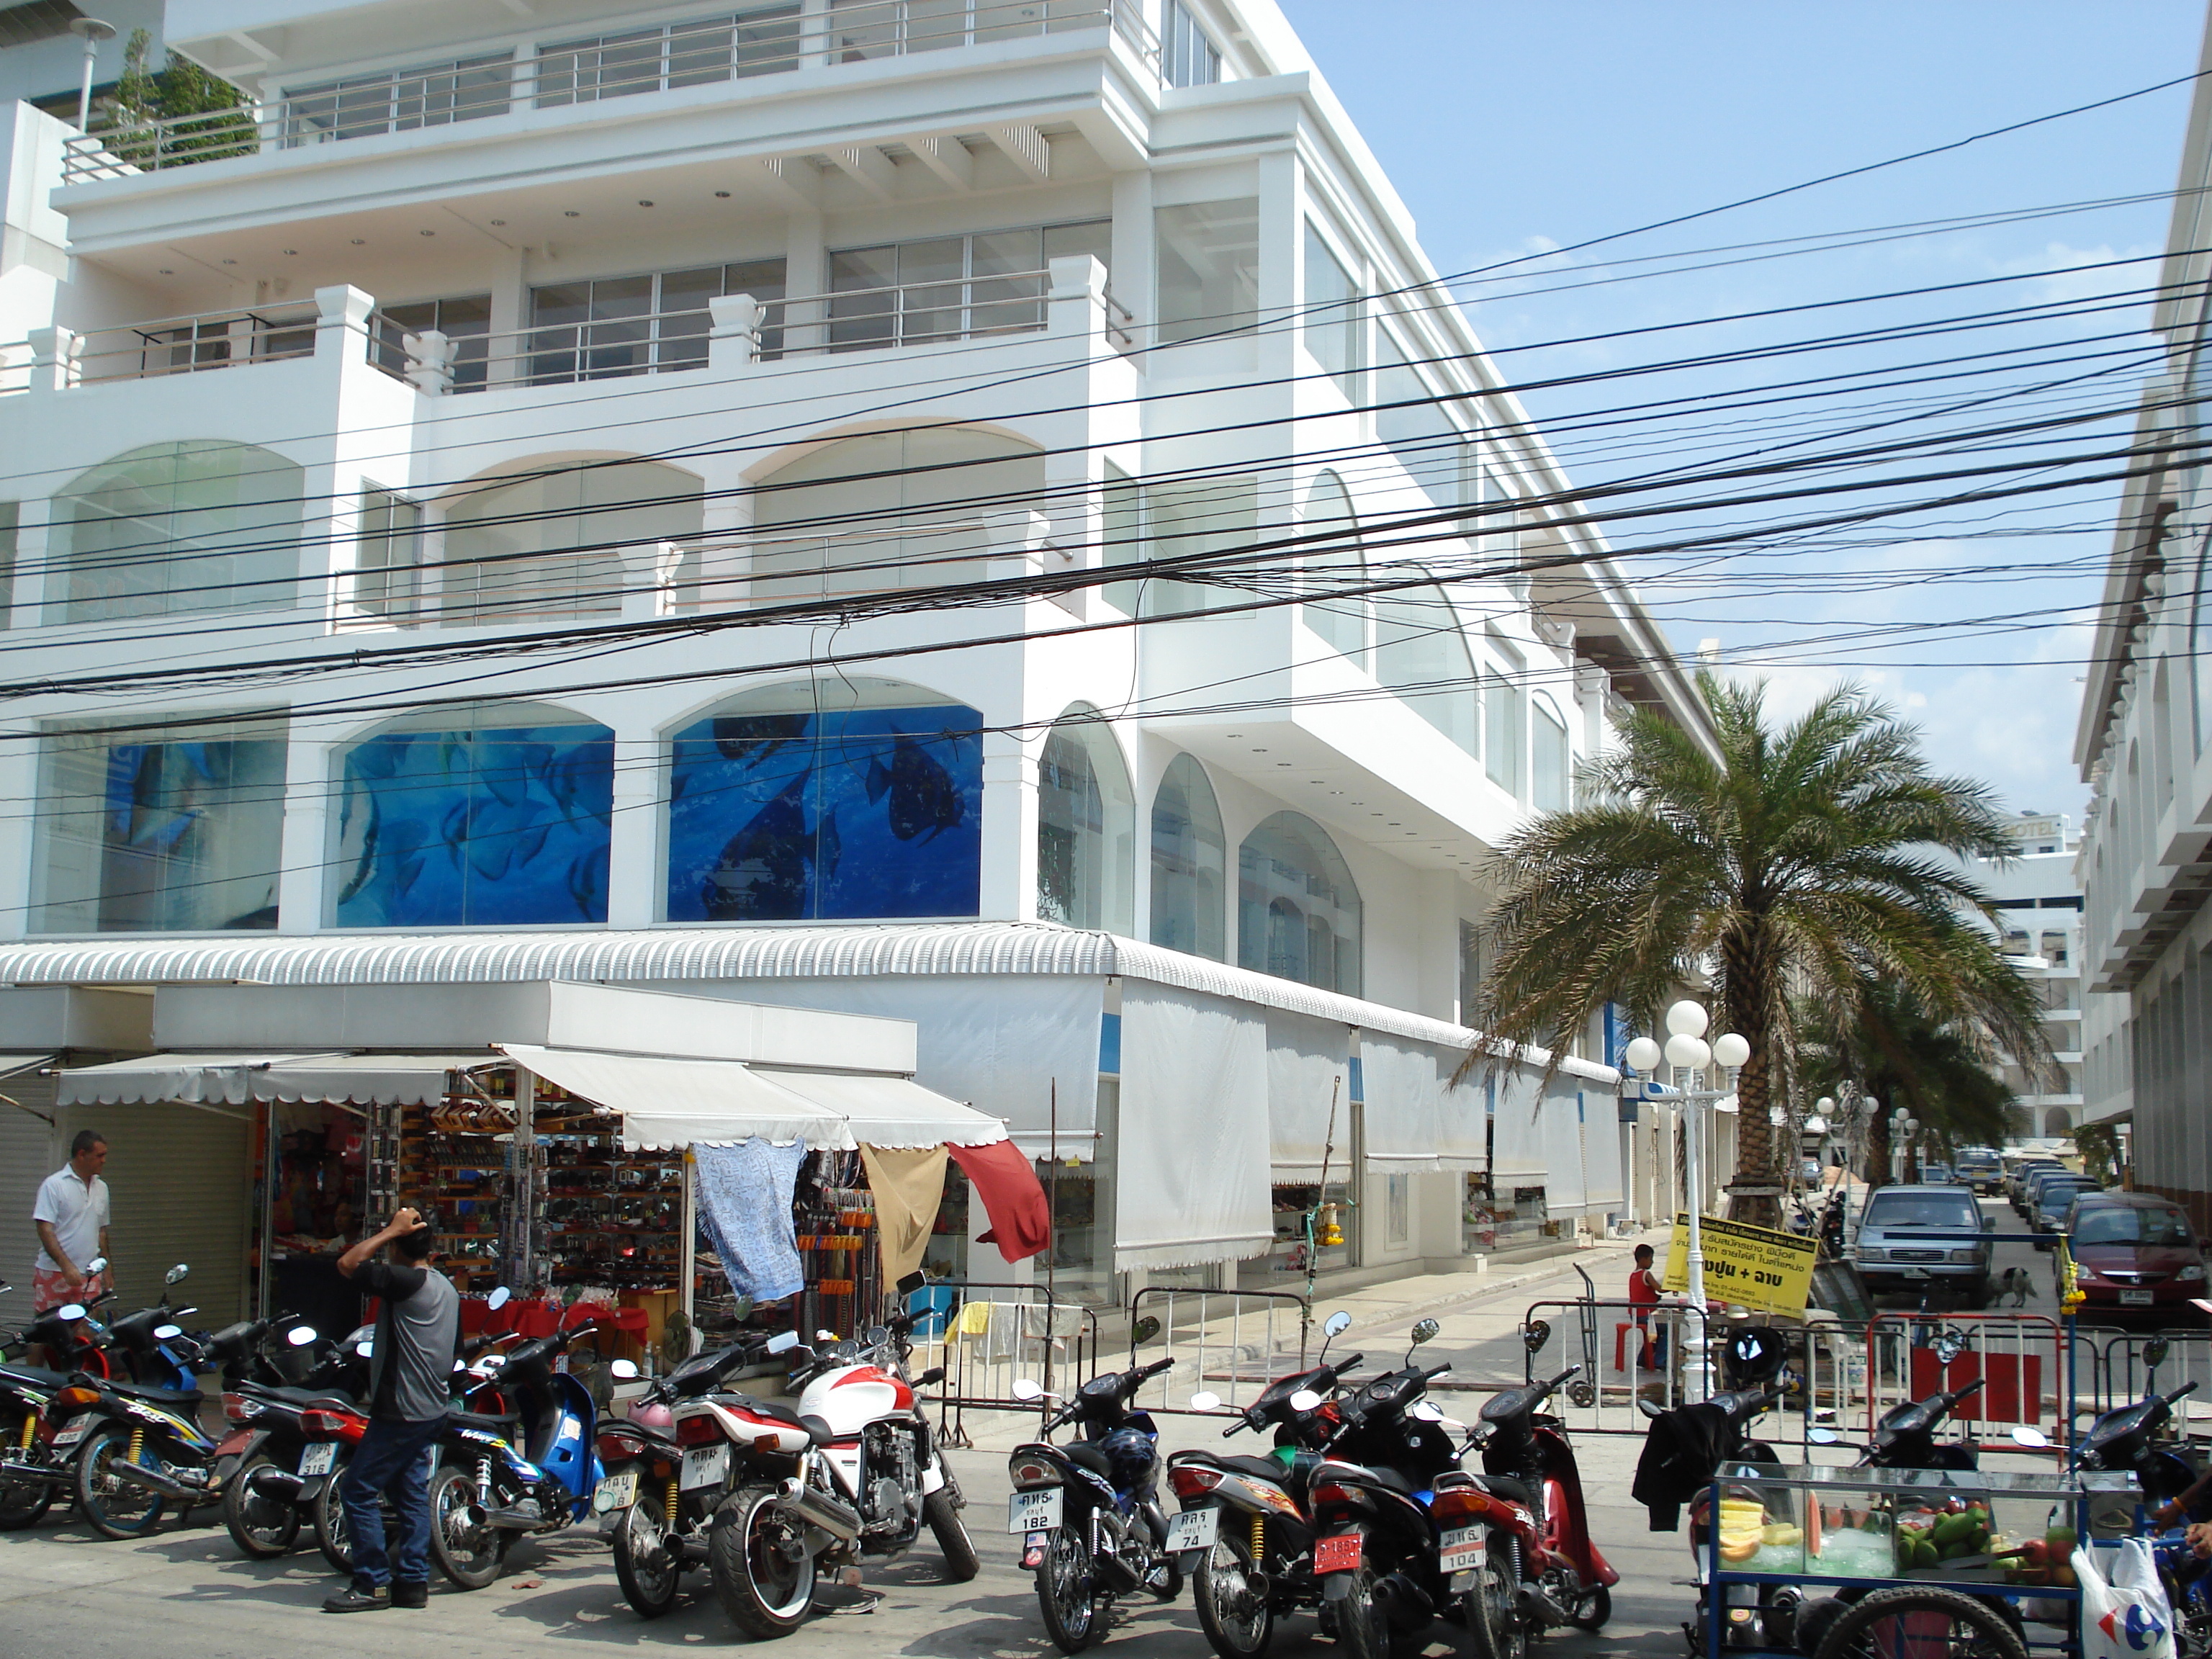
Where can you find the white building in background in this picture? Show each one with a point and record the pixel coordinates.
(2039, 911)
(474, 398)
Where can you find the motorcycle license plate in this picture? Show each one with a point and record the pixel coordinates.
(1337, 1555)
(705, 1467)
(319, 1458)
(1193, 1529)
(1461, 1549)
(1034, 1511)
(2135, 1298)
(69, 1436)
(615, 1492)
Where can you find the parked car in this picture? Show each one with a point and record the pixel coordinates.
(1979, 1168)
(2020, 1184)
(2053, 1198)
(2135, 1250)
(2031, 1199)
(1937, 1174)
(1943, 1240)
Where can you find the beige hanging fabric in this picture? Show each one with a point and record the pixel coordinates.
(908, 1183)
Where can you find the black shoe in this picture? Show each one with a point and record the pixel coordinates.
(404, 1595)
(357, 1600)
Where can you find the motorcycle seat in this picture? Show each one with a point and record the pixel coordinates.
(456, 1418)
(781, 1414)
(1390, 1479)
(1505, 1487)
(1088, 1456)
(1259, 1468)
(321, 1400)
(35, 1376)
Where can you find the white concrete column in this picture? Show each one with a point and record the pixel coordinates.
(633, 859)
(304, 852)
(35, 543)
(19, 775)
(1010, 828)
(53, 354)
(734, 336)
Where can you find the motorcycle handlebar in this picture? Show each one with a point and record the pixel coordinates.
(2189, 1387)
(1144, 1373)
(1553, 1384)
(1435, 1371)
(1969, 1391)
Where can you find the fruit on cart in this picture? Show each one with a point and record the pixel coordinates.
(1781, 1532)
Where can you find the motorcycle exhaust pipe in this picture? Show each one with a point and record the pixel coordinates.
(1404, 1601)
(269, 1482)
(168, 1485)
(52, 1476)
(1534, 1603)
(819, 1510)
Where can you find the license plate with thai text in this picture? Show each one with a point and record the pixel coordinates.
(1337, 1555)
(2135, 1298)
(1461, 1548)
(615, 1492)
(1034, 1511)
(319, 1458)
(1193, 1530)
(705, 1467)
(69, 1436)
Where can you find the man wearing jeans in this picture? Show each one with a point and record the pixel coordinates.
(418, 1327)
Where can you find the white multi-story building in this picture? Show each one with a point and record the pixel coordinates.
(474, 514)
(2040, 911)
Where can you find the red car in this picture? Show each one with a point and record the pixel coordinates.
(2136, 1251)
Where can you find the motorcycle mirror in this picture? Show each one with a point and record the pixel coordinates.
(912, 1282)
(301, 1336)
(2034, 1439)
(178, 1274)
(1206, 1401)
(1305, 1400)
(1027, 1389)
(783, 1342)
(2155, 1352)
(1144, 1330)
(499, 1299)
(742, 1309)
(69, 1312)
(1534, 1335)
(1949, 1346)
(1422, 1411)
(1338, 1323)
(1426, 1331)
(167, 1333)
(1822, 1437)
(625, 1370)
(97, 1265)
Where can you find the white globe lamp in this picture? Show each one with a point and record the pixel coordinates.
(1731, 1050)
(1691, 1052)
(1642, 1055)
(1688, 1019)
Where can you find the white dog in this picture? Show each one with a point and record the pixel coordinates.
(2015, 1282)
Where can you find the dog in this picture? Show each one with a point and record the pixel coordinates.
(2015, 1283)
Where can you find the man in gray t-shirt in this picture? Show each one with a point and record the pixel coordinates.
(418, 1328)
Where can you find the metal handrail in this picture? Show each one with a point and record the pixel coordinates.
(192, 344)
(723, 45)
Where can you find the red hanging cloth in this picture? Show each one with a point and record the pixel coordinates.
(1021, 1222)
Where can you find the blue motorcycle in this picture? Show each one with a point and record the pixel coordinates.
(532, 1467)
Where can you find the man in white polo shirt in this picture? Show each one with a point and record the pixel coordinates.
(71, 1217)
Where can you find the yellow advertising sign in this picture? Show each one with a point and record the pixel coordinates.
(1755, 1266)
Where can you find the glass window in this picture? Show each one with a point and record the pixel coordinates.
(951, 288)
(387, 579)
(177, 527)
(1329, 563)
(169, 830)
(1470, 970)
(760, 40)
(1548, 762)
(1422, 655)
(844, 799)
(1332, 315)
(1209, 269)
(1086, 827)
(454, 824)
(465, 320)
(1190, 519)
(11, 517)
(1188, 58)
(1504, 721)
(1411, 421)
(893, 510)
(398, 100)
(551, 544)
(1298, 911)
(1190, 862)
(621, 325)
(2116, 1225)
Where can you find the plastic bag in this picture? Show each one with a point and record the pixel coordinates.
(2129, 1617)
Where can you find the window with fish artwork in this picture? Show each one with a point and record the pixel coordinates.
(1086, 827)
(477, 824)
(847, 800)
(165, 830)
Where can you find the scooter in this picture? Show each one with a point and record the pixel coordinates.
(2131, 1439)
(31, 1469)
(1088, 1513)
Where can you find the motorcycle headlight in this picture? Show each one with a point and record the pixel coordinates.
(2195, 1270)
(1873, 1252)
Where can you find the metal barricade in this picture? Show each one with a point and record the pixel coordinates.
(2022, 1359)
(1232, 1342)
(2135, 1364)
(1627, 1350)
(987, 1335)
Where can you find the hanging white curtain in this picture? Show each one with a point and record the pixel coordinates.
(1604, 1188)
(1463, 1114)
(1517, 1152)
(1404, 1093)
(1191, 1183)
(1560, 1131)
(1308, 1064)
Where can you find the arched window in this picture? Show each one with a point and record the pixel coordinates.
(1086, 826)
(551, 544)
(1332, 561)
(888, 510)
(1190, 859)
(195, 526)
(834, 799)
(1420, 654)
(1298, 910)
(494, 817)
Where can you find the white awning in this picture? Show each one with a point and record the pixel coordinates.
(669, 1104)
(236, 1080)
(11, 1064)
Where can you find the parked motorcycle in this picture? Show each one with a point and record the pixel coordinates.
(1242, 1536)
(275, 1464)
(31, 1470)
(1088, 1512)
(2134, 1439)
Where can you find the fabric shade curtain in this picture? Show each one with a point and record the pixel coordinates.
(1516, 1149)
(1566, 1158)
(1193, 1174)
(909, 1184)
(1005, 1181)
(1404, 1095)
(1309, 1067)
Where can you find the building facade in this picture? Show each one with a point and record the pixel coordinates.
(2039, 912)
(634, 493)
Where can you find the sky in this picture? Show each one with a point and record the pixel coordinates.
(1515, 128)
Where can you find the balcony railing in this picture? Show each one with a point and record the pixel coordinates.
(725, 45)
(192, 346)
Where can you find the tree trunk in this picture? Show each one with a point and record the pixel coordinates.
(1877, 1170)
(1754, 1190)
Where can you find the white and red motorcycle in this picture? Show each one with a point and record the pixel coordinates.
(853, 1473)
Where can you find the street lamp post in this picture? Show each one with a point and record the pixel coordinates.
(1687, 1049)
(92, 31)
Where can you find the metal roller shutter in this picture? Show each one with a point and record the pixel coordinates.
(29, 1152)
(178, 1190)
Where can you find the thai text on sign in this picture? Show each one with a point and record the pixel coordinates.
(1756, 1267)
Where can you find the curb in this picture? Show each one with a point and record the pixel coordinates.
(1483, 1284)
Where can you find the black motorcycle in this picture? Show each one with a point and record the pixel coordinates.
(1088, 1512)
(33, 1469)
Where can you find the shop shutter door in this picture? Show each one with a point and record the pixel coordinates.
(27, 1156)
(177, 1191)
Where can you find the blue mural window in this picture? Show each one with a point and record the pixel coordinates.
(493, 827)
(827, 814)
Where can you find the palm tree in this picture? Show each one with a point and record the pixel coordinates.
(1790, 869)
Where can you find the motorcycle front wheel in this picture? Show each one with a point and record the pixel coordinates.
(468, 1550)
(757, 1556)
(1493, 1622)
(262, 1527)
(1237, 1621)
(1067, 1593)
(951, 1532)
(113, 1507)
(649, 1575)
